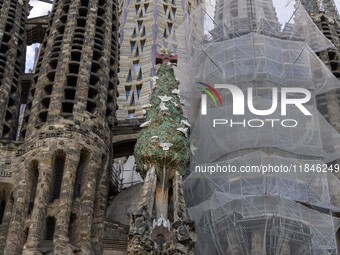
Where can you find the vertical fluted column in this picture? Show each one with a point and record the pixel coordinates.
(100, 205)
(21, 195)
(86, 79)
(61, 235)
(13, 15)
(38, 217)
(5, 222)
(87, 203)
(57, 100)
(46, 67)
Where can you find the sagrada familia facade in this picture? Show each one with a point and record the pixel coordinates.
(103, 87)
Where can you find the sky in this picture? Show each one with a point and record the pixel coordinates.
(337, 2)
(40, 8)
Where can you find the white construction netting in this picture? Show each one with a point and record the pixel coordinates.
(258, 44)
(262, 225)
(274, 18)
(312, 137)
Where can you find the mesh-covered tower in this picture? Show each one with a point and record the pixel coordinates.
(328, 22)
(145, 25)
(55, 167)
(242, 15)
(252, 189)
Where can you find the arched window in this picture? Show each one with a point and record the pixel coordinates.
(58, 172)
(50, 227)
(34, 175)
(2, 209)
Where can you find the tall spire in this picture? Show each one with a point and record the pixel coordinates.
(65, 154)
(63, 89)
(162, 153)
(239, 17)
(12, 54)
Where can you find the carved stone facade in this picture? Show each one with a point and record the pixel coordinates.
(160, 223)
(145, 26)
(54, 176)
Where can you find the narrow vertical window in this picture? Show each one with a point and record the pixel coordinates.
(50, 227)
(34, 175)
(58, 172)
(2, 209)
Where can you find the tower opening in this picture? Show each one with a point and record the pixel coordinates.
(58, 172)
(2, 209)
(50, 228)
(34, 175)
(170, 202)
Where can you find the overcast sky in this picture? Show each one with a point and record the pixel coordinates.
(337, 2)
(39, 9)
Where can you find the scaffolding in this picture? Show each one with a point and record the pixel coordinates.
(268, 45)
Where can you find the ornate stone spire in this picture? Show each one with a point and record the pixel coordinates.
(160, 223)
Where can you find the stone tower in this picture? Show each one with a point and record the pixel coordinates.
(325, 16)
(60, 169)
(12, 54)
(145, 25)
(237, 18)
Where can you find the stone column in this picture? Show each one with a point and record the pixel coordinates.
(61, 237)
(87, 203)
(41, 201)
(180, 209)
(5, 222)
(257, 242)
(147, 196)
(16, 237)
(100, 206)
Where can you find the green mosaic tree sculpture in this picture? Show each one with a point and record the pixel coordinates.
(163, 141)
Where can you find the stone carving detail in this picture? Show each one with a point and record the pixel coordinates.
(160, 223)
(318, 17)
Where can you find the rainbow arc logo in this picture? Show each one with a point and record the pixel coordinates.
(211, 92)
